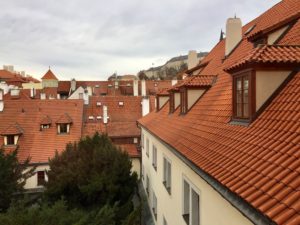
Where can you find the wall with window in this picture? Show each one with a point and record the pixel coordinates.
(32, 182)
(212, 207)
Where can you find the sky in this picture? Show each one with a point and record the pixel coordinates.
(92, 39)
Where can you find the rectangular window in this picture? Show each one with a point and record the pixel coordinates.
(183, 101)
(45, 126)
(154, 205)
(147, 185)
(63, 128)
(10, 139)
(154, 157)
(241, 96)
(167, 174)
(40, 178)
(147, 147)
(191, 205)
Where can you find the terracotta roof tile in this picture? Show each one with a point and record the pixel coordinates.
(65, 118)
(46, 120)
(287, 54)
(49, 76)
(131, 149)
(12, 129)
(260, 162)
(198, 81)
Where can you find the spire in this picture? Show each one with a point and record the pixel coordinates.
(221, 35)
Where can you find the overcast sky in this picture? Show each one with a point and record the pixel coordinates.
(91, 39)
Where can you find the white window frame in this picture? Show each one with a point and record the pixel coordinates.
(167, 174)
(192, 189)
(154, 157)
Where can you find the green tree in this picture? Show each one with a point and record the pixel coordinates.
(13, 176)
(92, 174)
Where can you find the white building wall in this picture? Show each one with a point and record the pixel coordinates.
(214, 209)
(32, 181)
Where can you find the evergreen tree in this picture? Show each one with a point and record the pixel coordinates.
(13, 176)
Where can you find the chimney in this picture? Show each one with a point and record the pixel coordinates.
(43, 96)
(73, 85)
(135, 88)
(233, 34)
(32, 93)
(9, 68)
(174, 82)
(143, 82)
(145, 106)
(192, 59)
(1, 101)
(86, 97)
(105, 117)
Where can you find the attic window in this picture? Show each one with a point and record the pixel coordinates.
(45, 126)
(260, 41)
(183, 100)
(242, 100)
(121, 103)
(98, 104)
(10, 140)
(63, 128)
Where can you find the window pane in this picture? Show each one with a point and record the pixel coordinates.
(239, 110)
(246, 82)
(186, 198)
(246, 110)
(239, 83)
(245, 97)
(238, 96)
(169, 175)
(195, 208)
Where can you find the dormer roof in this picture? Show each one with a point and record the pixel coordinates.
(65, 118)
(13, 129)
(269, 54)
(163, 92)
(46, 120)
(49, 76)
(199, 81)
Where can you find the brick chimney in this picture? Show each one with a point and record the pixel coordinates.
(233, 34)
(192, 59)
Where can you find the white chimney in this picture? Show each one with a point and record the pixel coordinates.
(135, 88)
(73, 85)
(23, 73)
(174, 82)
(233, 34)
(43, 96)
(105, 117)
(32, 92)
(86, 97)
(9, 68)
(192, 59)
(143, 82)
(58, 96)
(145, 106)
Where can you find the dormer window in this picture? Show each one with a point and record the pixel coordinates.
(45, 126)
(64, 124)
(162, 98)
(183, 100)
(63, 128)
(10, 140)
(241, 96)
(12, 134)
(45, 123)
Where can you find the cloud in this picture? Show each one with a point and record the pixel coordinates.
(91, 39)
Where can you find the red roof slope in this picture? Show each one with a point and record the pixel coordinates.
(122, 118)
(198, 81)
(12, 129)
(259, 163)
(286, 54)
(42, 144)
(131, 149)
(49, 76)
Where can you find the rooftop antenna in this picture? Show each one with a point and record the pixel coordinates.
(234, 15)
(221, 35)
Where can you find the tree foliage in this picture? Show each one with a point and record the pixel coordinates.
(12, 177)
(91, 174)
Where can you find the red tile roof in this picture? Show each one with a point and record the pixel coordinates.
(41, 145)
(259, 163)
(46, 120)
(198, 81)
(12, 129)
(65, 118)
(131, 149)
(122, 119)
(64, 86)
(163, 92)
(270, 54)
(49, 76)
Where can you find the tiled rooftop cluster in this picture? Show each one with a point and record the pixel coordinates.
(260, 162)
